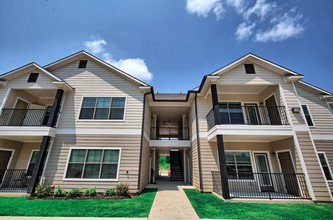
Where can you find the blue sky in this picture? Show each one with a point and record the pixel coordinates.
(171, 44)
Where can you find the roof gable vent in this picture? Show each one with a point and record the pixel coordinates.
(249, 69)
(33, 77)
(83, 64)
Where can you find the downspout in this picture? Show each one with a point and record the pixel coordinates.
(142, 136)
(198, 141)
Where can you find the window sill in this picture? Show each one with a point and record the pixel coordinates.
(89, 180)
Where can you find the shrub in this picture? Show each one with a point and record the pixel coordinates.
(43, 190)
(110, 192)
(90, 192)
(122, 189)
(59, 192)
(76, 192)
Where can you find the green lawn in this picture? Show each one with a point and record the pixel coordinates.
(135, 207)
(209, 206)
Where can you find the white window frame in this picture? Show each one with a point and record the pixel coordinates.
(90, 180)
(113, 120)
(29, 161)
(307, 106)
(329, 167)
(251, 161)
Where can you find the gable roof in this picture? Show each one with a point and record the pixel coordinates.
(27, 68)
(83, 54)
(259, 60)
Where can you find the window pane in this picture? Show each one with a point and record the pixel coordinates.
(86, 113)
(109, 171)
(77, 156)
(111, 156)
(94, 156)
(104, 102)
(231, 172)
(102, 113)
(243, 158)
(322, 159)
(34, 157)
(117, 113)
(305, 109)
(74, 171)
(229, 157)
(89, 102)
(91, 171)
(118, 102)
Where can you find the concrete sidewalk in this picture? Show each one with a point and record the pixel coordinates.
(171, 202)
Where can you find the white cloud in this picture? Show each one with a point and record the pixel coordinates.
(284, 27)
(134, 66)
(244, 31)
(95, 46)
(262, 20)
(204, 7)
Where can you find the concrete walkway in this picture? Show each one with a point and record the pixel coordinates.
(171, 202)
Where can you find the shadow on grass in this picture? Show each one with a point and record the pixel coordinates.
(132, 207)
(208, 205)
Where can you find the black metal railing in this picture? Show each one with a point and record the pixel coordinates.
(250, 115)
(169, 133)
(24, 117)
(14, 180)
(264, 185)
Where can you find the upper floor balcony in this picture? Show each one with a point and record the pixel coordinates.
(236, 114)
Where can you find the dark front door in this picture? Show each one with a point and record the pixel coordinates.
(4, 160)
(288, 173)
(273, 111)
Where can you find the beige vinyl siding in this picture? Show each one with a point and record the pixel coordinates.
(237, 76)
(194, 148)
(20, 82)
(25, 154)
(313, 167)
(327, 147)
(11, 145)
(292, 101)
(319, 110)
(97, 81)
(129, 161)
(15, 94)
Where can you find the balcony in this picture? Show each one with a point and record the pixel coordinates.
(263, 185)
(14, 180)
(248, 115)
(169, 137)
(24, 117)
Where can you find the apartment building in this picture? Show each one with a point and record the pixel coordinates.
(252, 129)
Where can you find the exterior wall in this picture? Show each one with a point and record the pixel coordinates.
(12, 145)
(129, 161)
(319, 110)
(237, 76)
(194, 148)
(95, 81)
(14, 94)
(25, 154)
(327, 147)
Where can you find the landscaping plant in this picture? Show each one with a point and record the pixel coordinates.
(110, 192)
(43, 190)
(59, 192)
(122, 189)
(90, 192)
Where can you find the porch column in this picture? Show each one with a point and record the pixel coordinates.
(55, 109)
(220, 145)
(39, 164)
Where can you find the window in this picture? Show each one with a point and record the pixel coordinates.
(93, 164)
(307, 115)
(325, 166)
(238, 165)
(103, 108)
(32, 162)
(231, 113)
(33, 77)
(249, 69)
(83, 64)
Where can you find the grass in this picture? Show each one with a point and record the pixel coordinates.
(135, 207)
(208, 205)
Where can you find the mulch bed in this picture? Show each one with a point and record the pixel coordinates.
(34, 197)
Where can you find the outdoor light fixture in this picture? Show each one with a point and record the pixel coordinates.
(296, 109)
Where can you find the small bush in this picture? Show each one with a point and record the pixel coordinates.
(59, 192)
(90, 192)
(76, 192)
(43, 190)
(110, 192)
(122, 189)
